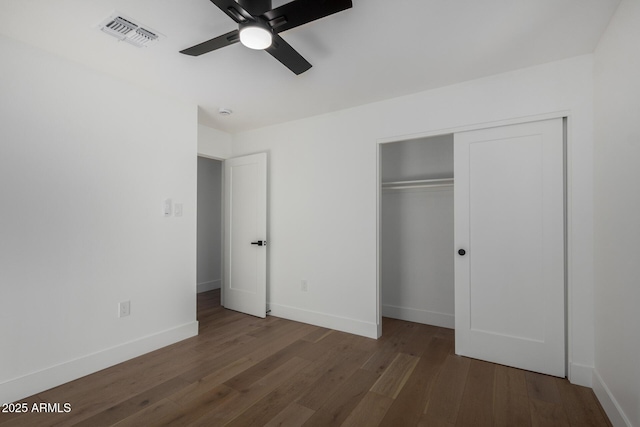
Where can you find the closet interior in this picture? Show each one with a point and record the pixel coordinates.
(417, 240)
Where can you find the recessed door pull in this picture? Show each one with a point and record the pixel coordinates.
(260, 243)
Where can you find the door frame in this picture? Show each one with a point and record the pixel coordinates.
(222, 205)
(568, 208)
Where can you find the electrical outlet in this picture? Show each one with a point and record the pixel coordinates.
(124, 309)
(304, 286)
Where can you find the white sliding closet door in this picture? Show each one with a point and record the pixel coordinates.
(509, 236)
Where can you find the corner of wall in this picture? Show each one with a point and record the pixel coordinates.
(609, 404)
(580, 374)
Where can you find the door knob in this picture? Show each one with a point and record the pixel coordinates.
(260, 243)
(461, 252)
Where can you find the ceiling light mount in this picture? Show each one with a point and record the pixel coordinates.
(256, 35)
(225, 112)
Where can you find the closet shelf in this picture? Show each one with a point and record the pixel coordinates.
(421, 183)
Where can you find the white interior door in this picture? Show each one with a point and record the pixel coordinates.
(245, 274)
(509, 221)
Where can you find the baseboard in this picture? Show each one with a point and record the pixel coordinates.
(209, 286)
(580, 374)
(36, 382)
(419, 316)
(609, 404)
(344, 324)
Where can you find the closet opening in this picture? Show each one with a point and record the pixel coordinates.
(417, 230)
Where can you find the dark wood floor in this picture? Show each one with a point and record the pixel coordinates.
(243, 371)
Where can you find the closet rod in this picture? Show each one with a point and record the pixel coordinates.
(423, 183)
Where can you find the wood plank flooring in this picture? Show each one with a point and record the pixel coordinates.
(244, 371)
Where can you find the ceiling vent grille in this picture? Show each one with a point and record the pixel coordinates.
(125, 29)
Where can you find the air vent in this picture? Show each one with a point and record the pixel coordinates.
(127, 30)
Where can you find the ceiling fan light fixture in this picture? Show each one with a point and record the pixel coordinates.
(255, 36)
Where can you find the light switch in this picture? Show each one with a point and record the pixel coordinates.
(167, 207)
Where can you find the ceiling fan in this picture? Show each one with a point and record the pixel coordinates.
(259, 25)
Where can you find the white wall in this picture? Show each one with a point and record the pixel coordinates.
(209, 272)
(617, 209)
(85, 164)
(415, 159)
(417, 274)
(323, 192)
(213, 143)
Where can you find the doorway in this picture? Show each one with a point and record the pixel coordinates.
(209, 225)
(417, 268)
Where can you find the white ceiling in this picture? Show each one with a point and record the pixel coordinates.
(377, 50)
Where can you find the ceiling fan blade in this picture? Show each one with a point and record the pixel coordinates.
(213, 44)
(283, 52)
(300, 12)
(233, 10)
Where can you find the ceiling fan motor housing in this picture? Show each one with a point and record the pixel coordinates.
(255, 34)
